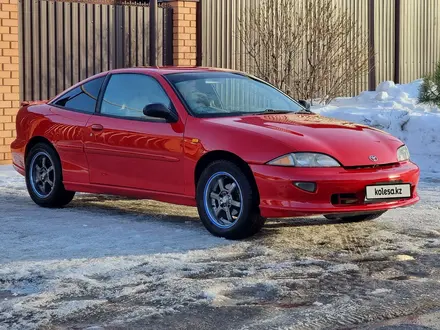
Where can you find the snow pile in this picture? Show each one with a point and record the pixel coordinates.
(395, 109)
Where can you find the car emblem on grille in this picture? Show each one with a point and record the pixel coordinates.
(373, 158)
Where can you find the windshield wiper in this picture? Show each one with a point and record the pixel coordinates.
(304, 112)
(274, 111)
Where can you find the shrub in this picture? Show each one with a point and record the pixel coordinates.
(312, 51)
(430, 89)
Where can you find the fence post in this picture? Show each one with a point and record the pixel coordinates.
(120, 41)
(168, 36)
(199, 34)
(372, 56)
(153, 32)
(9, 76)
(184, 32)
(397, 41)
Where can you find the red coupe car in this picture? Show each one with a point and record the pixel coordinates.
(232, 145)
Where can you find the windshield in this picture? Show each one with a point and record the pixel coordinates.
(211, 94)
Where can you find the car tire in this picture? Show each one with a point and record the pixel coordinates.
(356, 218)
(236, 194)
(44, 180)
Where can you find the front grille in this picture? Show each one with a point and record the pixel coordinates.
(344, 199)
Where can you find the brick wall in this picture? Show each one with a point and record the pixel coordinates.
(184, 32)
(9, 73)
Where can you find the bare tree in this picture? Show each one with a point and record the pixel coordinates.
(310, 48)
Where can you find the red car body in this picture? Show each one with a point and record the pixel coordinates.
(162, 160)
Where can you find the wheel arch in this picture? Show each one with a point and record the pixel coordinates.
(215, 155)
(34, 141)
(58, 196)
(40, 139)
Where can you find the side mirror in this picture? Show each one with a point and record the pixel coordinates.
(158, 110)
(305, 104)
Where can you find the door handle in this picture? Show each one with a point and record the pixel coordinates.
(97, 127)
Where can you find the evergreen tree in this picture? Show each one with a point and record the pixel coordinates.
(430, 89)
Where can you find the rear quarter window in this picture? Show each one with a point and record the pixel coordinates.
(82, 98)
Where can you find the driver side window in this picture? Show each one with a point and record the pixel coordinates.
(127, 94)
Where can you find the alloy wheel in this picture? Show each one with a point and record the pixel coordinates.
(223, 200)
(42, 174)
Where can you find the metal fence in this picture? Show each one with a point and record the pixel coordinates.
(404, 35)
(62, 43)
(419, 38)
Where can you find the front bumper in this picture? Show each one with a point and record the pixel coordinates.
(280, 198)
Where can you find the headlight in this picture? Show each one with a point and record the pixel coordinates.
(402, 153)
(305, 159)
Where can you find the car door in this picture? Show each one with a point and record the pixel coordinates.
(125, 148)
(70, 113)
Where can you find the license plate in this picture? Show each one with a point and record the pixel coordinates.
(388, 191)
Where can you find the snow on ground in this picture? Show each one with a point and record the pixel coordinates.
(48, 254)
(76, 234)
(112, 263)
(395, 109)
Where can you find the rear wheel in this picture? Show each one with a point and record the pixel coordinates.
(226, 201)
(355, 218)
(44, 177)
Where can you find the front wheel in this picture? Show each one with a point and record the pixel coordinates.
(227, 203)
(355, 218)
(44, 177)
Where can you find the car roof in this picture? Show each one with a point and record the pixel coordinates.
(153, 70)
(170, 69)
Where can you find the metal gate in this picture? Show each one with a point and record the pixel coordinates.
(62, 43)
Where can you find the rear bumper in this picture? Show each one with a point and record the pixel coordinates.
(280, 198)
(18, 147)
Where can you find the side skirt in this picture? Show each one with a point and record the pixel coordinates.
(130, 192)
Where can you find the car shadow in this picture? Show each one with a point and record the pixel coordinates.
(300, 222)
(142, 210)
(150, 209)
(94, 226)
(174, 213)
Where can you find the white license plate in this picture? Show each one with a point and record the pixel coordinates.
(388, 191)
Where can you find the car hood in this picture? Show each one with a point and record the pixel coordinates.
(351, 144)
